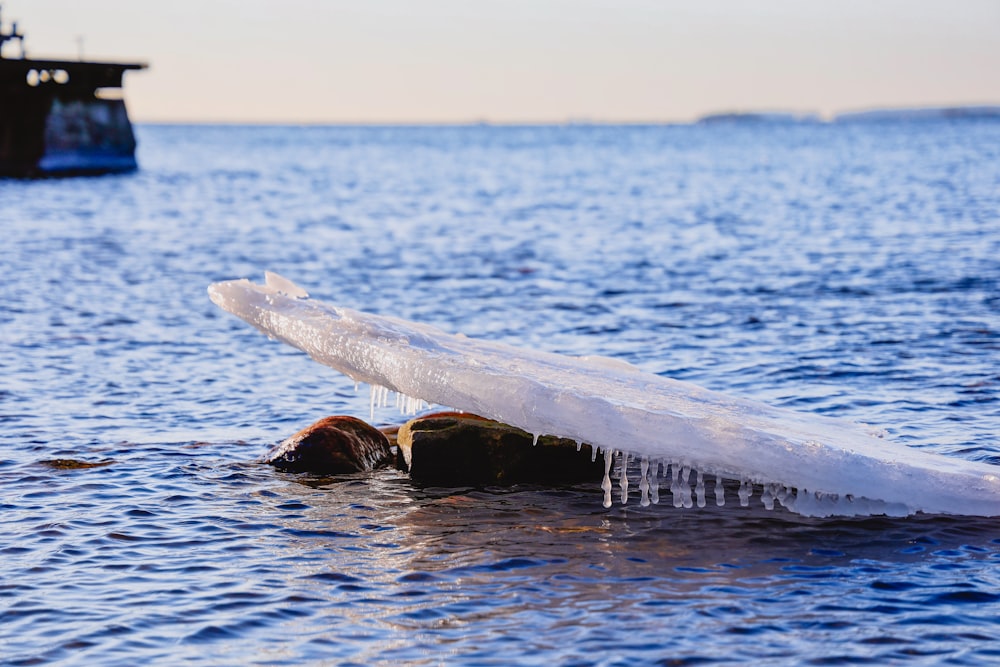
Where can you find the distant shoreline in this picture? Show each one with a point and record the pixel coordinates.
(919, 113)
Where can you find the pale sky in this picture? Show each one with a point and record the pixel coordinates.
(429, 61)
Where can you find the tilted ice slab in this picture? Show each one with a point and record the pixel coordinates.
(813, 465)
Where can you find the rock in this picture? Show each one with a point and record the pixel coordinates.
(74, 464)
(333, 445)
(450, 449)
(390, 432)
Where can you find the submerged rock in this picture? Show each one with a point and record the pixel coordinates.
(333, 445)
(462, 449)
(74, 464)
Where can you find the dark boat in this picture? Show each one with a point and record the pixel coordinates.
(62, 117)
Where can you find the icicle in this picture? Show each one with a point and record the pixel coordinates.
(408, 405)
(606, 484)
(623, 478)
(686, 487)
(675, 488)
(746, 490)
(654, 482)
(720, 493)
(644, 482)
(534, 439)
(766, 497)
(593, 454)
(699, 490)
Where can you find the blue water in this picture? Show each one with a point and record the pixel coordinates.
(846, 269)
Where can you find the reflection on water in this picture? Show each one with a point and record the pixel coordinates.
(211, 558)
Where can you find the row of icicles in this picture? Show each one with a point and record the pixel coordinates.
(381, 397)
(680, 477)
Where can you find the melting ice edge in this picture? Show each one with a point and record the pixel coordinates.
(810, 464)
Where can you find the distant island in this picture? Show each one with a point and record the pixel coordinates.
(759, 117)
(920, 113)
(982, 111)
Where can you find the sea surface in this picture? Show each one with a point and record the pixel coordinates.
(848, 269)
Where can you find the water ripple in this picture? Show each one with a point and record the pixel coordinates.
(839, 270)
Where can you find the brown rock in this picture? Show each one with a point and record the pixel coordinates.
(451, 449)
(332, 446)
(74, 464)
(390, 432)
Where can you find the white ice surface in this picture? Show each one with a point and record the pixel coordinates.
(811, 464)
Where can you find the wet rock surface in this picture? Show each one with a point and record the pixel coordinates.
(445, 449)
(333, 445)
(74, 464)
(461, 449)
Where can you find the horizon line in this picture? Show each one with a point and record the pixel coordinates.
(735, 112)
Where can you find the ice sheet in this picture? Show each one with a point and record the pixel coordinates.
(811, 464)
